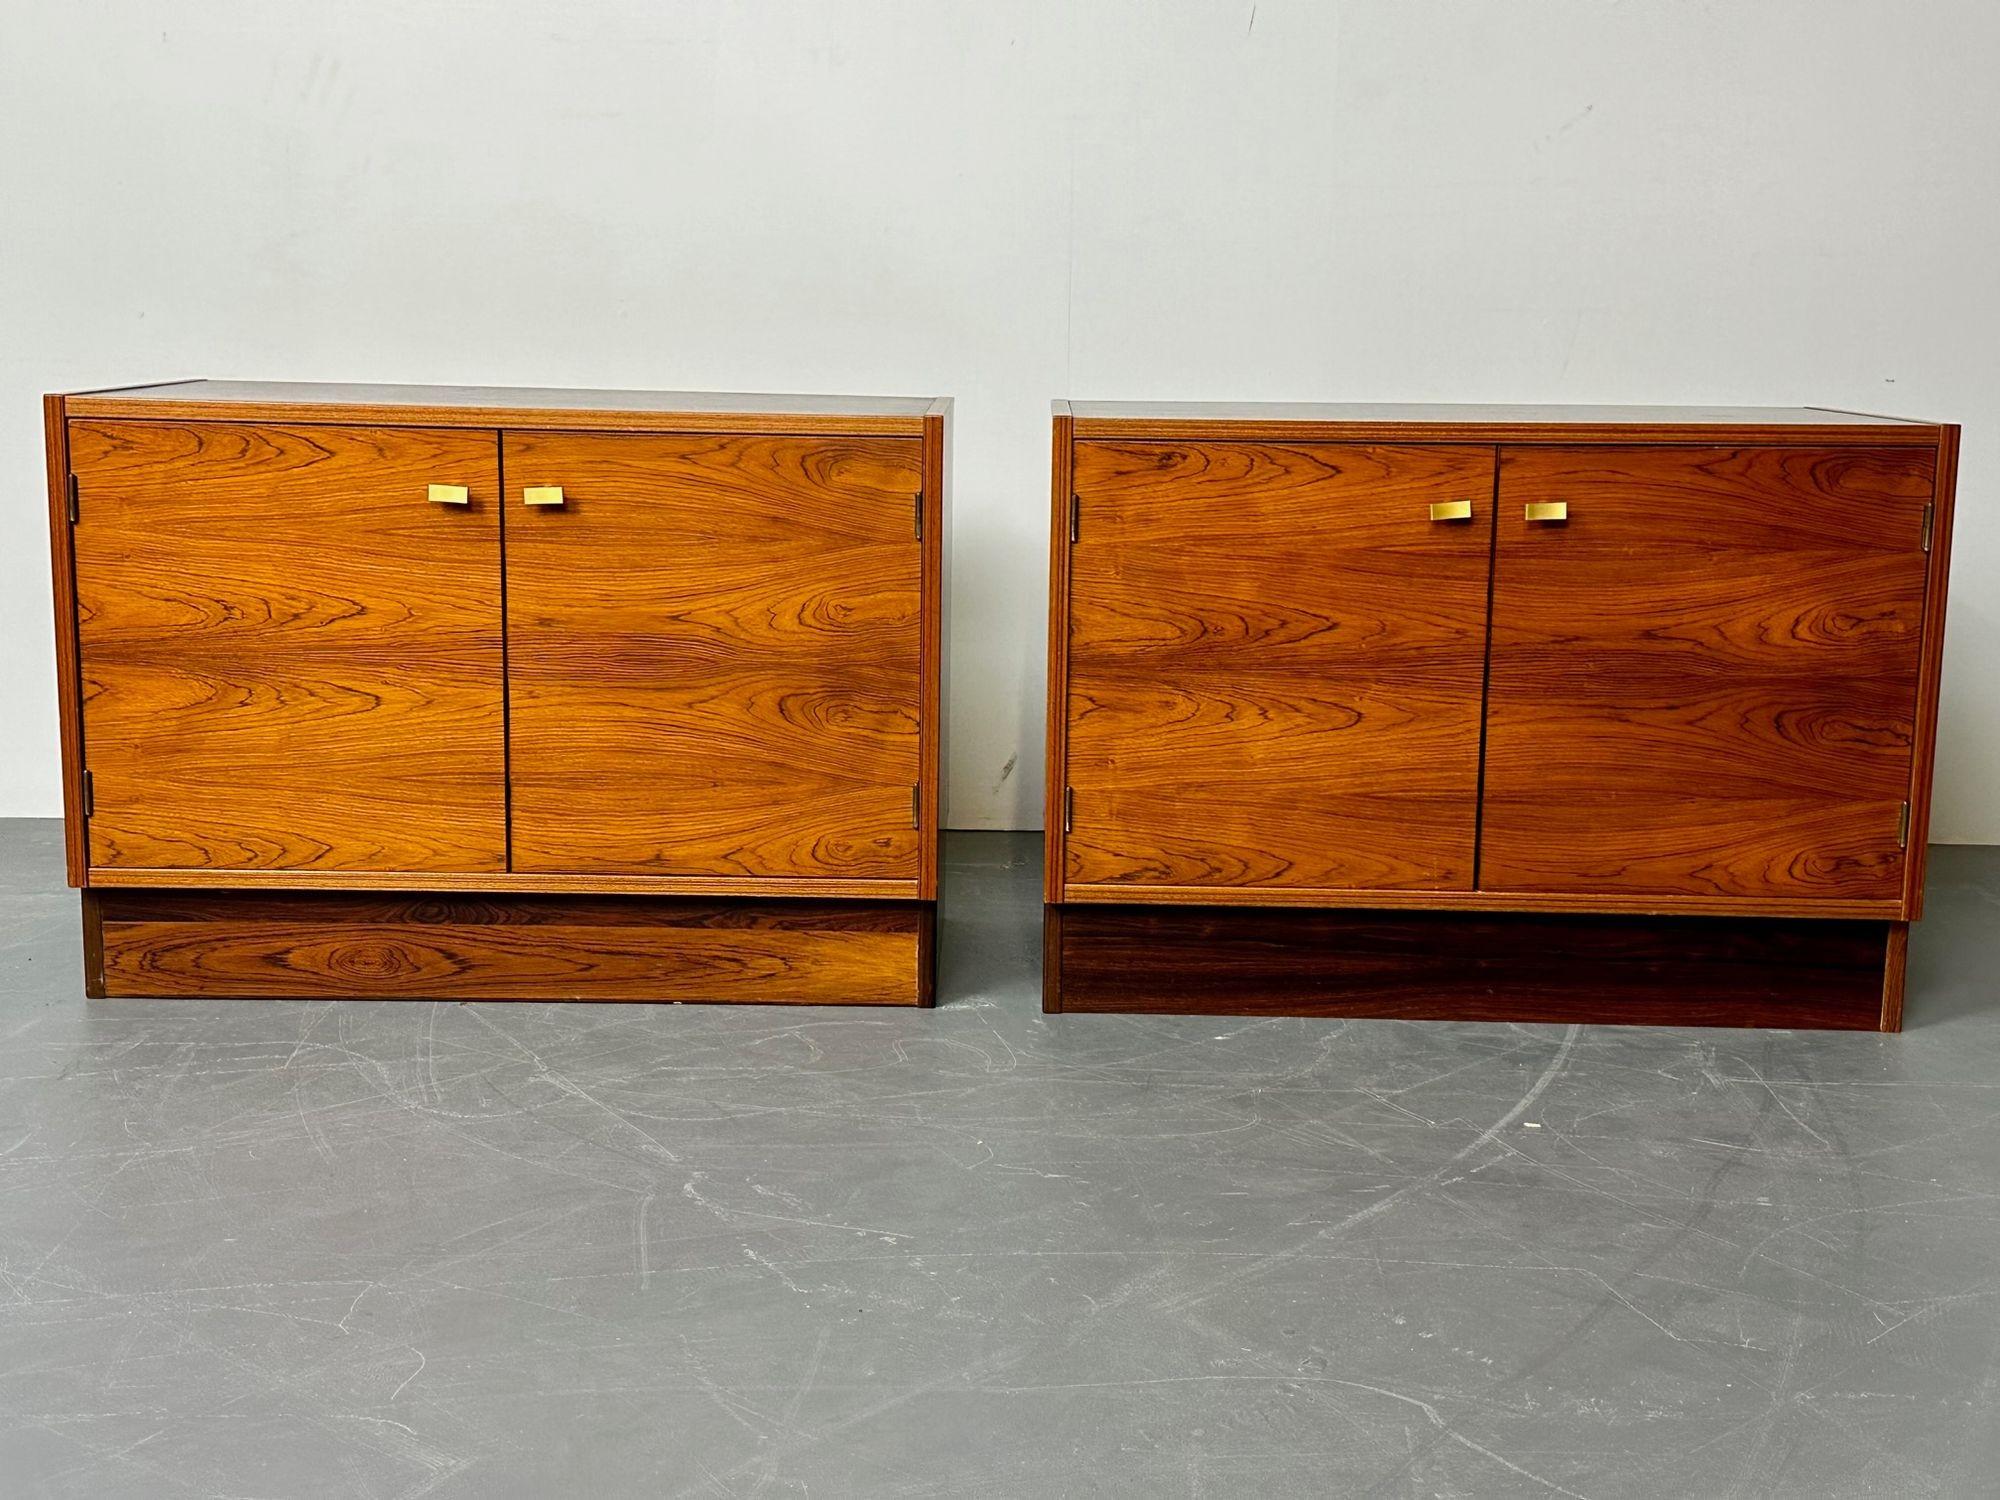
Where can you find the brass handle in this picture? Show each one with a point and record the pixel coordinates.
(450, 494)
(1548, 510)
(1451, 510)
(542, 494)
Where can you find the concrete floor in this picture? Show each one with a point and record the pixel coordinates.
(453, 1251)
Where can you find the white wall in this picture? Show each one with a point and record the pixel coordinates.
(1658, 200)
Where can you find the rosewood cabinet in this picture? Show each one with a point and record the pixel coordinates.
(486, 693)
(1575, 713)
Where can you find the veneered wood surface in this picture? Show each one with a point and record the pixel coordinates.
(290, 659)
(1642, 903)
(334, 946)
(1274, 665)
(507, 406)
(1705, 682)
(934, 721)
(1052, 954)
(532, 881)
(1932, 669)
(1055, 715)
(1449, 966)
(1895, 965)
(69, 687)
(93, 944)
(714, 656)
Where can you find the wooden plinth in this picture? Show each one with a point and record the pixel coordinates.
(314, 945)
(1659, 971)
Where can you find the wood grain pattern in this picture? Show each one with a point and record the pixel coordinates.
(285, 401)
(290, 660)
(69, 677)
(1274, 664)
(933, 716)
(532, 881)
(1896, 960)
(1641, 903)
(1055, 711)
(715, 653)
(1705, 682)
(93, 945)
(1446, 966)
(1930, 673)
(1052, 952)
(513, 948)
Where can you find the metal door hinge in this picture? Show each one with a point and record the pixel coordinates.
(1069, 808)
(917, 805)
(1903, 828)
(1075, 517)
(920, 515)
(1930, 520)
(73, 507)
(89, 794)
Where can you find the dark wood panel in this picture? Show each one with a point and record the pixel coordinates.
(1274, 661)
(1895, 965)
(1931, 673)
(1052, 951)
(1705, 681)
(934, 719)
(1055, 709)
(1685, 971)
(539, 881)
(715, 656)
(1641, 904)
(69, 684)
(93, 946)
(291, 659)
(290, 945)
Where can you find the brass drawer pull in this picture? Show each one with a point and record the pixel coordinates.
(1451, 510)
(542, 494)
(1548, 510)
(450, 494)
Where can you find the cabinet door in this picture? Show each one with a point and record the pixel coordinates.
(290, 656)
(1704, 680)
(1275, 658)
(714, 655)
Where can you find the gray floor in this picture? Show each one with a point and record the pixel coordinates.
(445, 1250)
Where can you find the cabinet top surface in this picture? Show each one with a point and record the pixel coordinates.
(1133, 418)
(468, 405)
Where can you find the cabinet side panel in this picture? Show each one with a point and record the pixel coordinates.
(1895, 959)
(93, 946)
(69, 698)
(1052, 959)
(1923, 762)
(936, 707)
(1057, 769)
